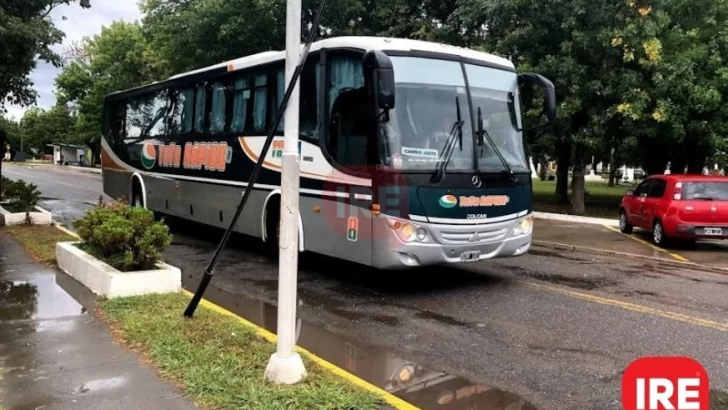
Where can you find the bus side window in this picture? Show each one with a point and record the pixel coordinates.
(309, 99)
(217, 112)
(349, 130)
(346, 140)
(181, 112)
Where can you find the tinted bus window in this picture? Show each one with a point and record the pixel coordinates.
(260, 101)
(182, 110)
(241, 96)
(217, 113)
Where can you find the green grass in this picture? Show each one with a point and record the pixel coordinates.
(218, 361)
(602, 200)
(40, 241)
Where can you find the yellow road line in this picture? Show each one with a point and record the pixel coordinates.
(642, 241)
(391, 399)
(723, 327)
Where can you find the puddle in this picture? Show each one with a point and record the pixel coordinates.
(424, 388)
(39, 298)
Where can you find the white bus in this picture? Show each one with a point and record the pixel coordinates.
(412, 152)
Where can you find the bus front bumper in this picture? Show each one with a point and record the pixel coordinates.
(433, 244)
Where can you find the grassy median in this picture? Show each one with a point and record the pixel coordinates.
(218, 361)
(40, 241)
(601, 202)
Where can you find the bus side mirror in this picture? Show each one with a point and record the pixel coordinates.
(379, 77)
(549, 101)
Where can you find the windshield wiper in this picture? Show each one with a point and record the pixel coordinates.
(702, 198)
(482, 132)
(457, 130)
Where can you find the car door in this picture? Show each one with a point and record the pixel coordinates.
(640, 195)
(651, 204)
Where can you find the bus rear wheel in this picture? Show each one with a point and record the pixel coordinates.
(137, 199)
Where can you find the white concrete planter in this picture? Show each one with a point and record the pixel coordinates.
(103, 279)
(41, 217)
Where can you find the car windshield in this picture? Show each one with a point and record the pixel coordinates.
(426, 109)
(716, 191)
(428, 93)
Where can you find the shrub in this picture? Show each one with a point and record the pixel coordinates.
(26, 196)
(4, 184)
(20, 196)
(127, 238)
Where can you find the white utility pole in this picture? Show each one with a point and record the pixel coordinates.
(285, 365)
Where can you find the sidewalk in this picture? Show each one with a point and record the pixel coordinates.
(51, 345)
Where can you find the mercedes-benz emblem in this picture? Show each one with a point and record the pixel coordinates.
(476, 181)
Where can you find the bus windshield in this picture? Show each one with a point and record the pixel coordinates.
(428, 93)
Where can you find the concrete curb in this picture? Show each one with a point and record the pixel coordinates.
(672, 262)
(577, 219)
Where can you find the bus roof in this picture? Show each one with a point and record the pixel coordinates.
(364, 43)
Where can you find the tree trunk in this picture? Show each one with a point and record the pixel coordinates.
(563, 159)
(577, 189)
(612, 167)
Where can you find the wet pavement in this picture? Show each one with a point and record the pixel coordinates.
(705, 252)
(553, 329)
(68, 193)
(55, 355)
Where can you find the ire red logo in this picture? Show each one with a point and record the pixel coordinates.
(665, 383)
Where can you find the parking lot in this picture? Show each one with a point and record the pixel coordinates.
(550, 330)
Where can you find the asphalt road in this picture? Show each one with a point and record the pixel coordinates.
(555, 327)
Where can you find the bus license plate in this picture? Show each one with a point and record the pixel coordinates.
(470, 256)
(713, 231)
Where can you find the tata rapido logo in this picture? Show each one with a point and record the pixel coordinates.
(149, 155)
(448, 201)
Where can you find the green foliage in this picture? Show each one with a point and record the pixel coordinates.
(127, 238)
(4, 184)
(27, 34)
(118, 58)
(22, 195)
(41, 127)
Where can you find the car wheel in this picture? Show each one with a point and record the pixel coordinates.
(658, 234)
(624, 226)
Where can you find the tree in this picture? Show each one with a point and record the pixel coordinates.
(40, 127)
(12, 129)
(27, 34)
(116, 59)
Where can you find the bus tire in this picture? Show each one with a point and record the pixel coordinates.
(272, 225)
(137, 195)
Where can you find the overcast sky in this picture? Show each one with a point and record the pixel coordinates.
(80, 23)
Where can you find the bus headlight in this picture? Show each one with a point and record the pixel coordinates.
(409, 232)
(524, 227)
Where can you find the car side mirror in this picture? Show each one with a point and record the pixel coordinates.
(379, 77)
(630, 192)
(549, 101)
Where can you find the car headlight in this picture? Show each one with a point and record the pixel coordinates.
(524, 227)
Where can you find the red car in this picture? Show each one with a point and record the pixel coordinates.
(680, 207)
